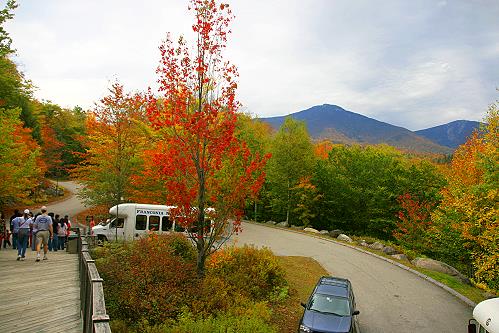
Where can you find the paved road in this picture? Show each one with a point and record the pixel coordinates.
(389, 298)
(71, 206)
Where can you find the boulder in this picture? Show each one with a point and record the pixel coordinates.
(343, 237)
(400, 256)
(324, 232)
(283, 224)
(363, 243)
(297, 227)
(315, 231)
(270, 222)
(389, 250)
(335, 233)
(438, 266)
(377, 246)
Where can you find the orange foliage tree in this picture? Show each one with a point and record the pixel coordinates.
(20, 165)
(471, 200)
(51, 150)
(114, 145)
(202, 162)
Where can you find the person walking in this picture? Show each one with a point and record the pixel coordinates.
(6, 233)
(45, 232)
(55, 232)
(34, 230)
(22, 224)
(14, 230)
(61, 233)
(51, 240)
(3, 229)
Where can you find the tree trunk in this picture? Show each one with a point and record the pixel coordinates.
(201, 258)
(255, 210)
(288, 203)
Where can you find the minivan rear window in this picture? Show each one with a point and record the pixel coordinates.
(140, 222)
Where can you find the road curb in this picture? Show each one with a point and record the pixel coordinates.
(461, 297)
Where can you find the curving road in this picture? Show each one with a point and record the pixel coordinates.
(70, 206)
(389, 298)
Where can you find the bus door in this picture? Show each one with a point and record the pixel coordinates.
(116, 230)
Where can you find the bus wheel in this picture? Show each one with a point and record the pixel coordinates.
(101, 239)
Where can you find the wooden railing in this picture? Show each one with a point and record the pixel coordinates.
(92, 304)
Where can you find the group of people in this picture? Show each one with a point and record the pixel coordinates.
(43, 229)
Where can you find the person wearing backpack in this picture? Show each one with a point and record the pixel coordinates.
(22, 225)
(55, 229)
(61, 233)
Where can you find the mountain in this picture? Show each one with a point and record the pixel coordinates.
(450, 135)
(339, 125)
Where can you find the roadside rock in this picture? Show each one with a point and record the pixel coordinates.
(315, 231)
(335, 233)
(343, 237)
(363, 243)
(297, 227)
(400, 256)
(377, 246)
(270, 222)
(439, 266)
(283, 224)
(324, 232)
(389, 250)
(488, 295)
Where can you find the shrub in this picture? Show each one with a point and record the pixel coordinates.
(254, 273)
(223, 323)
(152, 278)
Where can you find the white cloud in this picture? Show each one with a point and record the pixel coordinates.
(415, 64)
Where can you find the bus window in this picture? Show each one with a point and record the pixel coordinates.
(140, 222)
(166, 224)
(154, 223)
(121, 222)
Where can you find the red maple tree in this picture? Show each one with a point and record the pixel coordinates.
(202, 162)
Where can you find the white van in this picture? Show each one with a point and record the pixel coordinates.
(134, 220)
(485, 317)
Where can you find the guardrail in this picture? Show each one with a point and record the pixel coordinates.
(92, 304)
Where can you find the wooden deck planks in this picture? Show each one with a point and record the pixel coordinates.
(40, 296)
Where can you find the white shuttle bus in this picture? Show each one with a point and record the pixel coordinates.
(485, 317)
(134, 220)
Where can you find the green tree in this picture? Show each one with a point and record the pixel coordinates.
(257, 135)
(292, 160)
(68, 128)
(360, 187)
(5, 40)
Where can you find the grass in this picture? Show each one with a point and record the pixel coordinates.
(302, 274)
(473, 293)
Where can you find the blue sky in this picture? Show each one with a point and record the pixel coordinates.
(414, 64)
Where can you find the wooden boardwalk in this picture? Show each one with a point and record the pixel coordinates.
(39, 297)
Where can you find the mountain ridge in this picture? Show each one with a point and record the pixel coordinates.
(329, 121)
